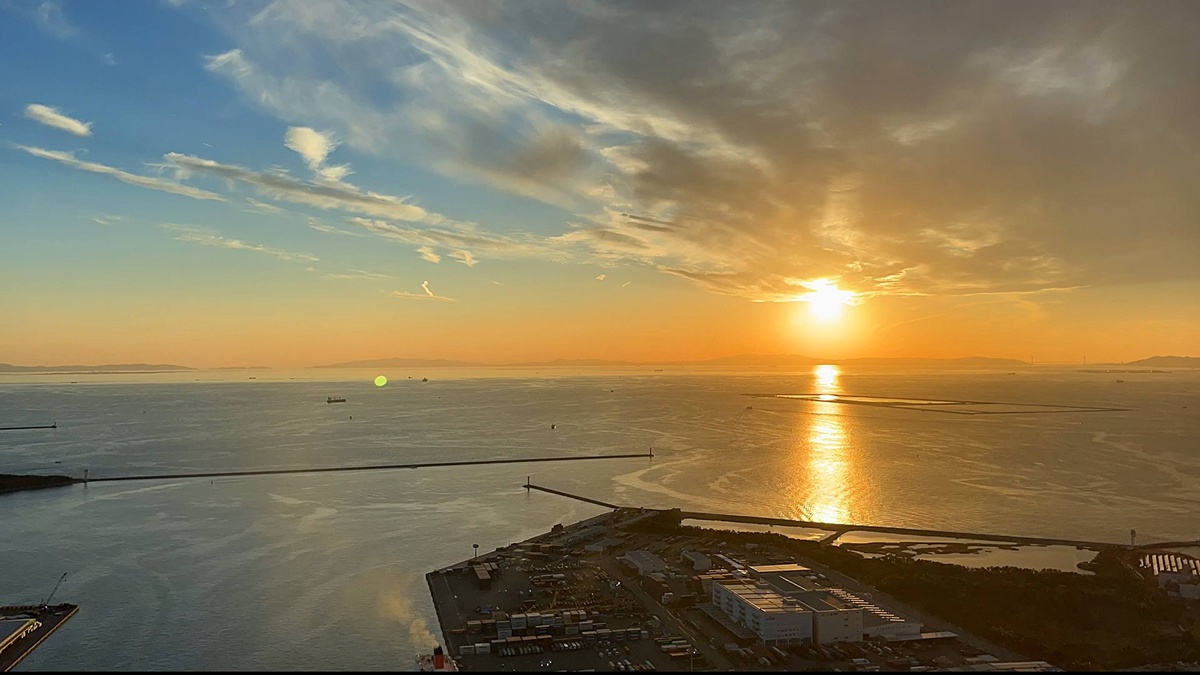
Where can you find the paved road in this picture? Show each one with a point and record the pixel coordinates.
(668, 619)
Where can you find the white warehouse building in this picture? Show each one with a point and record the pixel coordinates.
(774, 618)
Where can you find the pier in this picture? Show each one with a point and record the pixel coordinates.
(42, 426)
(374, 467)
(597, 502)
(838, 529)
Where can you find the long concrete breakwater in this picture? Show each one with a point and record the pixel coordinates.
(373, 467)
(41, 426)
(838, 529)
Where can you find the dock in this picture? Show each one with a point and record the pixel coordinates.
(24, 627)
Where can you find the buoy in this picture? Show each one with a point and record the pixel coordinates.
(552, 426)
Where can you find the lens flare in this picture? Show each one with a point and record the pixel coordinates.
(380, 381)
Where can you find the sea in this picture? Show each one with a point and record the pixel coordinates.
(326, 571)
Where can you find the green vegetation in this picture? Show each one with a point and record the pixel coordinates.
(13, 483)
(1113, 619)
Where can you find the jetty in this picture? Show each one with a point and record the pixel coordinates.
(40, 426)
(838, 529)
(373, 467)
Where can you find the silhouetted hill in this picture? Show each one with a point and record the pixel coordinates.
(1167, 362)
(575, 362)
(110, 368)
(401, 363)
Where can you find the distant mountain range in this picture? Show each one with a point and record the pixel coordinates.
(761, 360)
(109, 368)
(402, 363)
(1167, 362)
(739, 360)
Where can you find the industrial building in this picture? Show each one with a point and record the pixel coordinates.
(646, 562)
(1176, 574)
(774, 618)
(832, 614)
(697, 561)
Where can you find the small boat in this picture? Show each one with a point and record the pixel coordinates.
(1120, 380)
(424, 379)
(437, 662)
(335, 399)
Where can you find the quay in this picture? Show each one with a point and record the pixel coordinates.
(374, 467)
(24, 627)
(838, 529)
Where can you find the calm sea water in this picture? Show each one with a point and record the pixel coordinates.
(326, 571)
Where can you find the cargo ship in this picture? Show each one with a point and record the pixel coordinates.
(335, 399)
(437, 662)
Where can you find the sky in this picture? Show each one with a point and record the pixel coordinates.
(296, 183)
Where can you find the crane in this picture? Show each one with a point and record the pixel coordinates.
(46, 602)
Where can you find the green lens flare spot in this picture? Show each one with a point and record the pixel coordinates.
(380, 381)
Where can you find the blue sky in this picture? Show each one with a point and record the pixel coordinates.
(250, 169)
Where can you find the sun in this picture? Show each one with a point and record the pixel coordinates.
(825, 300)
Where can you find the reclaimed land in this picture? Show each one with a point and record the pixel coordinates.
(1112, 619)
(14, 483)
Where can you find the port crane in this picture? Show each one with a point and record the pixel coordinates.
(46, 602)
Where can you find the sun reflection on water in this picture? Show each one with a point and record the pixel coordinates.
(822, 455)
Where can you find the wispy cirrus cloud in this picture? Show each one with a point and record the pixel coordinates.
(329, 229)
(51, 117)
(151, 182)
(360, 274)
(428, 254)
(106, 220)
(264, 207)
(426, 295)
(281, 186)
(465, 257)
(206, 238)
(50, 18)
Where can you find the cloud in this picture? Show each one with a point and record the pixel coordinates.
(601, 277)
(205, 238)
(626, 284)
(263, 206)
(51, 117)
(962, 149)
(51, 19)
(109, 59)
(314, 147)
(106, 220)
(133, 179)
(360, 274)
(329, 229)
(427, 295)
(281, 186)
(429, 254)
(465, 258)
